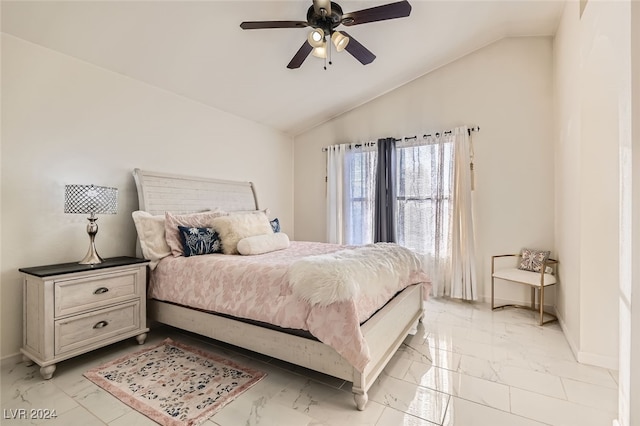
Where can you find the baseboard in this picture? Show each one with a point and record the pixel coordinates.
(598, 360)
(587, 357)
(11, 359)
(572, 344)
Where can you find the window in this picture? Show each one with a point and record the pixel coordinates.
(433, 181)
(361, 178)
(424, 184)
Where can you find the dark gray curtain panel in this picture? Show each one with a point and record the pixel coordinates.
(385, 208)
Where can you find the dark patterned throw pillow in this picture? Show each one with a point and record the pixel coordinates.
(197, 241)
(533, 260)
(275, 225)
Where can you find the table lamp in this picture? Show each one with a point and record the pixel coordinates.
(92, 200)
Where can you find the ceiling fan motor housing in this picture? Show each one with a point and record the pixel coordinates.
(325, 22)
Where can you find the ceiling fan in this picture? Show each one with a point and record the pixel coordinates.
(324, 17)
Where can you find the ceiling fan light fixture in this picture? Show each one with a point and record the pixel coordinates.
(320, 51)
(323, 17)
(339, 40)
(316, 37)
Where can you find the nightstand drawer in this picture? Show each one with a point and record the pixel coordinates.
(93, 292)
(87, 329)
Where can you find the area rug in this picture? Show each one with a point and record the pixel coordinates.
(174, 384)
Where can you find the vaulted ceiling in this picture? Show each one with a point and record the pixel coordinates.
(197, 49)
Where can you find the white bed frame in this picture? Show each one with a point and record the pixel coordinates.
(384, 332)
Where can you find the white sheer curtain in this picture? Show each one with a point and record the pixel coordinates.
(336, 199)
(425, 176)
(351, 181)
(360, 209)
(463, 257)
(435, 211)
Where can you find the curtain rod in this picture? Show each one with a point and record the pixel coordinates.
(371, 143)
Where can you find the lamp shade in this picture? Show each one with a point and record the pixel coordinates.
(316, 37)
(90, 199)
(340, 41)
(320, 51)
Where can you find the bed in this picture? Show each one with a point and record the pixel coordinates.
(381, 333)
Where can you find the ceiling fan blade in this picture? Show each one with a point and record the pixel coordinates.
(358, 51)
(258, 25)
(300, 56)
(318, 5)
(395, 10)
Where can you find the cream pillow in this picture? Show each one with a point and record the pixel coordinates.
(196, 220)
(150, 230)
(233, 228)
(259, 244)
(265, 211)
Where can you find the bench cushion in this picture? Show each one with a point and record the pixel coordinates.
(526, 277)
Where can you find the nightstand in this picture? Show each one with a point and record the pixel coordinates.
(70, 309)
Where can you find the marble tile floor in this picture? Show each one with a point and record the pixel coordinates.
(466, 366)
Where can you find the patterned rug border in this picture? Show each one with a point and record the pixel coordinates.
(154, 414)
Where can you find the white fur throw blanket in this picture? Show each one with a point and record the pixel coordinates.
(346, 274)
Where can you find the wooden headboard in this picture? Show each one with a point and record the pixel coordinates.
(161, 192)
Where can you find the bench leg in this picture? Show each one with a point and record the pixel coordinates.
(533, 298)
(492, 290)
(541, 304)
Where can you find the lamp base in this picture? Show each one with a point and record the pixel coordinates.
(92, 257)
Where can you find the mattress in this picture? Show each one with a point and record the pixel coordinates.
(256, 288)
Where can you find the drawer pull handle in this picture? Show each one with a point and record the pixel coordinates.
(101, 290)
(101, 324)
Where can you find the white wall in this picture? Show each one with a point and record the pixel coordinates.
(633, 390)
(602, 81)
(506, 89)
(566, 53)
(591, 66)
(65, 121)
(629, 294)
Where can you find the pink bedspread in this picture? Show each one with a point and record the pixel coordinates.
(256, 288)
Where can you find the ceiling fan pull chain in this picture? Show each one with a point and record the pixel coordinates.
(325, 57)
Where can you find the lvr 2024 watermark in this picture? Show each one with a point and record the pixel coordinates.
(28, 414)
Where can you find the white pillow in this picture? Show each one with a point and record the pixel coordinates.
(151, 236)
(259, 244)
(233, 228)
